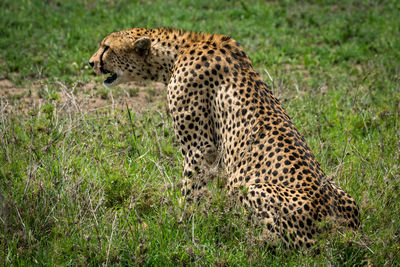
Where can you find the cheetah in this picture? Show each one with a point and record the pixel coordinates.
(220, 106)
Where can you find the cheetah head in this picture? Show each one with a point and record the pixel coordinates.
(122, 57)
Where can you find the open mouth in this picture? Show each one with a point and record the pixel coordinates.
(111, 79)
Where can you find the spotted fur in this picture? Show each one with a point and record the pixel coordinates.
(223, 111)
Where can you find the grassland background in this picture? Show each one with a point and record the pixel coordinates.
(90, 187)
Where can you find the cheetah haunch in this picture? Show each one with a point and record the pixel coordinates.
(220, 105)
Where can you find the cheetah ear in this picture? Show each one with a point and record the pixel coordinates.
(142, 46)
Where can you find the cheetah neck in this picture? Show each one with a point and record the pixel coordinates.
(166, 46)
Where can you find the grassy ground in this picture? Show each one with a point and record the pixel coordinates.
(97, 185)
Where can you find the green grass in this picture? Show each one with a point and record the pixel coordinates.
(103, 187)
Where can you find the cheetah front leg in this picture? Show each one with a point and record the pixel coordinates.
(194, 129)
(199, 154)
(198, 170)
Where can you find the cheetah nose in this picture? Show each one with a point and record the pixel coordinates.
(91, 63)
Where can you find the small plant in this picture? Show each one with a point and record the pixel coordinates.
(48, 110)
(103, 93)
(132, 92)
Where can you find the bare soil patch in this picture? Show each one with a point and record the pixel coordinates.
(85, 97)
